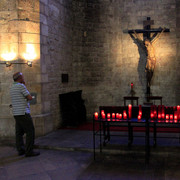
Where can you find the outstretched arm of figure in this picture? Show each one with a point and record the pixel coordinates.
(158, 36)
(139, 40)
(137, 36)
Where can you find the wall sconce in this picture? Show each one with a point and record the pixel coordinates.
(29, 63)
(9, 63)
(11, 57)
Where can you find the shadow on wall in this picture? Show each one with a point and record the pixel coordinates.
(142, 61)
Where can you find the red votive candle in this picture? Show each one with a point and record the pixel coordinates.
(113, 115)
(120, 116)
(178, 107)
(139, 117)
(130, 106)
(163, 116)
(155, 114)
(124, 115)
(117, 115)
(152, 115)
(159, 116)
(167, 118)
(131, 85)
(175, 118)
(130, 111)
(171, 116)
(96, 115)
(140, 110)
(103, 115)
(140, 113)
(108, 115)
(178, 112)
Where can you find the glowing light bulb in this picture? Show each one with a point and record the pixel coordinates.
(8, 56)
(30, 52)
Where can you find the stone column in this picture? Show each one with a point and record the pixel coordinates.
(20, 43)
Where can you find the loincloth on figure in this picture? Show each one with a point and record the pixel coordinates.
(150, 64)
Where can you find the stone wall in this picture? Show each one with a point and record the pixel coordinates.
(19, 30)
(177, 89)
(107, 59)
(56, 53)
(88, 40)
(47, 24)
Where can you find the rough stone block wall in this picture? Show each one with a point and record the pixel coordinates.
(88, 40)
(107, 59)
(56, 53)
(177, 89)
(8, 41)
(19, 26)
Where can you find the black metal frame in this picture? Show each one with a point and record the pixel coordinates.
(9, 63)
(105, 124)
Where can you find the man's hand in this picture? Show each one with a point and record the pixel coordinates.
(29, 97)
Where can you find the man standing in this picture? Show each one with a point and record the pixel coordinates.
(20, 97)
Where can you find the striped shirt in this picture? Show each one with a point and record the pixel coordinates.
(18, 94)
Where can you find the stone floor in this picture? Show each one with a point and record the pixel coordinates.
(68, 155)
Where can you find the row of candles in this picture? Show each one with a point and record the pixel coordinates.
(161, 115)
(117, 115)
(155, 113)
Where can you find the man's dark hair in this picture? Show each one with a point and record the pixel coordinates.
(16, 76)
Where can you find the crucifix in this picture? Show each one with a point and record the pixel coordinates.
(148, 42)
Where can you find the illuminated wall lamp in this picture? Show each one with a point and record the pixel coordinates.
(10, 57)
(29, 63)
(8, 63)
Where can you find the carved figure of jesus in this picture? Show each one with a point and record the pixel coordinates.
(151, 58)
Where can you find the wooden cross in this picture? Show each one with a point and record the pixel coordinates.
(147, 34)
(147, 29)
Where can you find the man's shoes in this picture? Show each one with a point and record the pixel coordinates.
(20, 153)
(33, 154)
